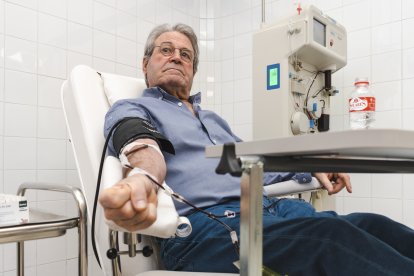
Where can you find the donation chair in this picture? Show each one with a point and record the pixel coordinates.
(86, 97)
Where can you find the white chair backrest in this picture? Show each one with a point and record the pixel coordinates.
(86, 98)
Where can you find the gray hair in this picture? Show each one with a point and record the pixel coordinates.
(165, 28)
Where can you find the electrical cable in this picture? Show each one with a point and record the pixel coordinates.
(180, 198)
(324, 103)
(310, 86)
(174, 195)
(314, 96)
(98, 185)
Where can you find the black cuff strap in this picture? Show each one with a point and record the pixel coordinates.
(137, 128)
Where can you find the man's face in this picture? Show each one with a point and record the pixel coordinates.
(173, 73)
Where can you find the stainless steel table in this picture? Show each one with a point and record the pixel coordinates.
(375, 151)
(46, 225)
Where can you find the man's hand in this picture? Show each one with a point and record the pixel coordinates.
(334, 182)
(131, 203)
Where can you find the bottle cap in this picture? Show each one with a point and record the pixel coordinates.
(361, 81)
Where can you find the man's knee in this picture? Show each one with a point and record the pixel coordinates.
(320, 227)
(334, 227)
(367, 219)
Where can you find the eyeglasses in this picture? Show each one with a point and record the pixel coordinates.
(166, 49)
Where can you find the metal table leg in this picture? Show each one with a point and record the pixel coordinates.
(82, 230)
(251, 220)
(20, 258)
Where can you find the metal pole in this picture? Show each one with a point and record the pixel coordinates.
(83, 232)
(251, 220)
(20, 258)
(263, 11)
(116, 262)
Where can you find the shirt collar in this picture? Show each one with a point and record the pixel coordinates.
(157, 92)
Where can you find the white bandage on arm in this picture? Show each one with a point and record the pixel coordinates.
(136, 170)
(123, 157)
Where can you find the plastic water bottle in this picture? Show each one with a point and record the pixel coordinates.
(361, 105)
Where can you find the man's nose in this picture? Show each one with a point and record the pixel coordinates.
(176, 55)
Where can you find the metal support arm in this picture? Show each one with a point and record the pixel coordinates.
(82, 222)
(251, 220)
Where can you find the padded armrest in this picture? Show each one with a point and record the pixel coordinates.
(291, 187)
(168, 222)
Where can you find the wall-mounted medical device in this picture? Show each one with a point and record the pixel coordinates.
(293, 62)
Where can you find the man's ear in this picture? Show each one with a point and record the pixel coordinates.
(144, 65)
(144, 69)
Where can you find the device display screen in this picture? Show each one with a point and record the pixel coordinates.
(319, 32)
(273, 76)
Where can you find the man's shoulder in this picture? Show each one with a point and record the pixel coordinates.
(134, 101)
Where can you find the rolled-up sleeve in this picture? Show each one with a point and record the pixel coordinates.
(275, 177)
(271, 178)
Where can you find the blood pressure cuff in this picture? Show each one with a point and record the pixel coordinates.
(136, 128)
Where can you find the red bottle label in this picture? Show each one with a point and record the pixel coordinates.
(362, 104)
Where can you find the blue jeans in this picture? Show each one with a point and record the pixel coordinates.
(297, 240)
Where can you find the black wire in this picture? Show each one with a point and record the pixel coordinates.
(314, 96)
(307, 94)
(98, 185)
(209, 215)
(174, 195)
(323, 103)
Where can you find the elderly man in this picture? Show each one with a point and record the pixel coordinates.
(166, 138)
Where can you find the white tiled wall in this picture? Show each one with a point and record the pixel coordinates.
(42, 40)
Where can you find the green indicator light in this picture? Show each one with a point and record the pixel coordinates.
(273, 76)
(273, 79)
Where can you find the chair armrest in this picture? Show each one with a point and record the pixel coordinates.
(168, 222)
(291, 187)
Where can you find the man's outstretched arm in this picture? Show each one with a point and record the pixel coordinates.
(132, 202)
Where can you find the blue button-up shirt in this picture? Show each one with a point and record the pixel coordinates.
(189, 172)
